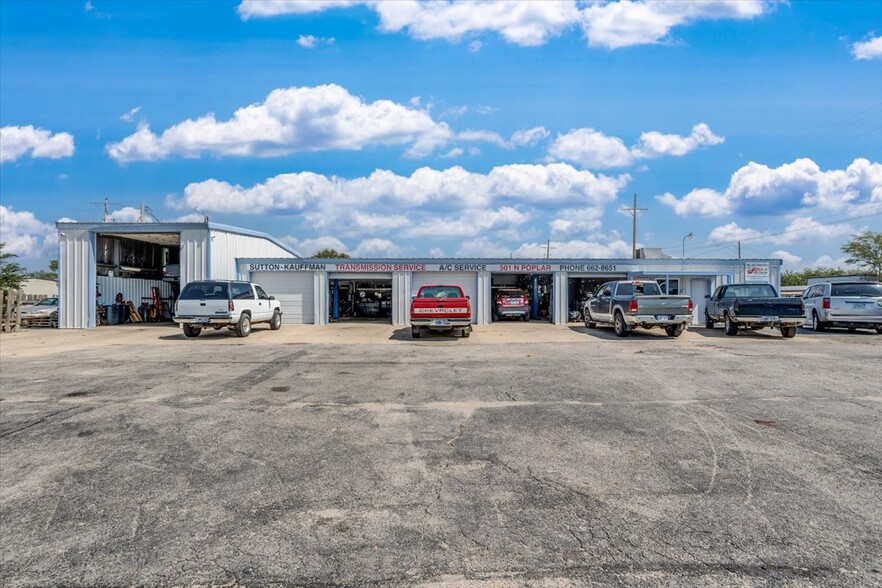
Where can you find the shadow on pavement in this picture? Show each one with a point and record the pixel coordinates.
(608, 334)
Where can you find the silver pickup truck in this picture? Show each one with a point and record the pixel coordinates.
(629, 304)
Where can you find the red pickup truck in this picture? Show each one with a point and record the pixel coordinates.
(440, 308)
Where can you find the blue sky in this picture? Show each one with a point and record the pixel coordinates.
(472, 129)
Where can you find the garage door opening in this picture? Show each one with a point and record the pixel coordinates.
(137, 277)
(580, 289)
(514, 296)
(361, 300)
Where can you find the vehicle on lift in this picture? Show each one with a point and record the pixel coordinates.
(225, 303)
(440, 308)
(753, 306)
(854, 305)
(511, 302)
(629, 304)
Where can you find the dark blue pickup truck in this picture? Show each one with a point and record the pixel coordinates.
(753, 306)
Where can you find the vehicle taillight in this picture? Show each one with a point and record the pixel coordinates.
(525, 301)
(826, 303)
(231, 306)
(633, 306)
(176, 307)
(690, 305)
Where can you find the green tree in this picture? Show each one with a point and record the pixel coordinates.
(865, 251)
(328, 253)
(800, 278)
(11, 273)
(51, 275)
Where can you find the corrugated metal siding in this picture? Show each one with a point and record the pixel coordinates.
(131, 288)
(76, 271)
(194, 255)
(226, 247)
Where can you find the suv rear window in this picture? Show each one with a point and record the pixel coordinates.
(871, 290)
(511, 294)
(207, 290)
(440, 292)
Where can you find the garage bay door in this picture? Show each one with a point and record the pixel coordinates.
(296, 292)
(467, 281)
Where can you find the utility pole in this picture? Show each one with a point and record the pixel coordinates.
(106, 204)
(634, 211)
(548, 249)
(739, 249)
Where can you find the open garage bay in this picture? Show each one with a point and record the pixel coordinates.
(526, 454)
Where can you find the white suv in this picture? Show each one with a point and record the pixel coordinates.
(225, 303)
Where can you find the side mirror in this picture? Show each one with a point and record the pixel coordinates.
(706, 296)
(272, 297)
(468, 297)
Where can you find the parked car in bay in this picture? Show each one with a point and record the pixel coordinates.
(854, 305)
(440, 308)
(629, 304)
(225, 303)
(511, 302)
(753, 306)
(42, 313)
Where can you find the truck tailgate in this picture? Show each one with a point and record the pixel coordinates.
(663, 305)
(436, 308)
(780, 307)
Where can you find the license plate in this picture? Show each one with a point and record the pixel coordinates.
(201, 320)
(768, 319)
(440, 322)
(664, 317)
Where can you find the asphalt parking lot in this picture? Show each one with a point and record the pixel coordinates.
(526, 454)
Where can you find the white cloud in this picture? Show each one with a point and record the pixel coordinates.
(655, 144)
(291, 120)
(437, 252)
(309, 247)
(88, 7)
(128, 214)
(453, 188)
(576, 249)
(828, 261)
(529, 136)
(871, 49)
(15, 142)
(376, 248)
(591, 149)
(193, 217)
(799, 229)
(621, 24)
(311, 41)
(571, 220)
(759, 189)
(25, 235)
(702, 202)
(130, 115)
(453, 153)
(595, 150)
(788, 258)
(474, 223)
(475, 46)
(529, 23)
(484, 136)
(482, 247)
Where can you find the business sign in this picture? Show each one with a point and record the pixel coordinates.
(757, 272)
(382, 267)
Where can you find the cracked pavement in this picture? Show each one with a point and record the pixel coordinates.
(700, 461)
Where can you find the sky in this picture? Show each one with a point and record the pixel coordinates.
(436, 129)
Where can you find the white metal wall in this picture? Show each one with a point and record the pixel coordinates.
(295, 292)
(76, 279)
(131, 288)
(482, 305)
(401, 295)
(467, 281)
(194, 255)
(560, 293)
(226, 247)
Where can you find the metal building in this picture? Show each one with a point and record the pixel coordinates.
(97, 261)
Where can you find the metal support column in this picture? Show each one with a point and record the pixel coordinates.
(535, 296)
(336, 300)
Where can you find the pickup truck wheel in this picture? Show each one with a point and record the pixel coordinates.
(191, 331)
(817, 325)
(708, 321)
(675, 330)
(731, 327)
(243, 327)
(466, 332)
(879, 330)
(619, 325)
(416, 333)
(788, 332)
(276, 322)
(588, 322)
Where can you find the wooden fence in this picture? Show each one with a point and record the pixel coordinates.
(11, 311)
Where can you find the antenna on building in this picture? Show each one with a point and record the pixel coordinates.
(634, 211)
(106, 204)
(204, 216)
